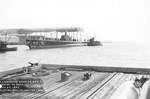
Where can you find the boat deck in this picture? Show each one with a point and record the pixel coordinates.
(101, 85)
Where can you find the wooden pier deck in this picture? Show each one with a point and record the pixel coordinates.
(101, 85)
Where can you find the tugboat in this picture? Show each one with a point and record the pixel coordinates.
(92, 42)
(3, 47)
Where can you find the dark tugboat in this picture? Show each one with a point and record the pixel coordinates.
(92, 42)
(3, 47)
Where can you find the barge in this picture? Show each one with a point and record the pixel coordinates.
(4, 48)
(80, 82)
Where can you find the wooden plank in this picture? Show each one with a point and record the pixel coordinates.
(87, 87)
(73, 86)
(105, 88)
(113, 89)
(58, 85)
(115, 86)
(99, 82)
(102, 68)
(78, 88)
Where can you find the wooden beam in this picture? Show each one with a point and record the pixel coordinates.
(102, 68)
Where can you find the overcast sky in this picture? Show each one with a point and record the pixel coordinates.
(125, 20)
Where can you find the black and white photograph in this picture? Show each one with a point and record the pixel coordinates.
(74, 49)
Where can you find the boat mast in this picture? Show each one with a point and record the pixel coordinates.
(77, 37)
(65, 32)
(5, 36)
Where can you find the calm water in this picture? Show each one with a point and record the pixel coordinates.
(114, 54)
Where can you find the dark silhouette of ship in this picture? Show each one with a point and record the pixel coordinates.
(92, 42)
(66, 40)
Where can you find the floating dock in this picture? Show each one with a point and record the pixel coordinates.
(104, 81)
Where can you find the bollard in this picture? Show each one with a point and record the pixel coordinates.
(65, 76)
(87, 76)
